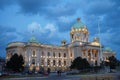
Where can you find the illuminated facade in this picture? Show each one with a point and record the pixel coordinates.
(37, 55)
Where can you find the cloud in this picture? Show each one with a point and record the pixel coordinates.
(6, 37)
(38, 29)
(47, 34)
(61, 15)
(64, 19)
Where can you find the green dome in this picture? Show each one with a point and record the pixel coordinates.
(108, 49)
(79, 24)
(33, 40)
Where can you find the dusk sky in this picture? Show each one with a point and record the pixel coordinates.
(52, 20)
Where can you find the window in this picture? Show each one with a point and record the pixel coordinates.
(59, 62)
(71, 55)
(42, 62)
(33, 54)
(53, 54)
(64, 63)
(59, 55)
(95, 55)
(48, 62)
(48, 54)
(64, 54)
(53, 62)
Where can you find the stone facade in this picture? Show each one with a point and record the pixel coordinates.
(37, 55)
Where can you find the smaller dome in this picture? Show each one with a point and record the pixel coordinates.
(96, 39)
(108, 49)
(33, 40)
(63, 40)
(95, 43)
(79, 24)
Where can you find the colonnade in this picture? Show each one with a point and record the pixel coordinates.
(92, 56)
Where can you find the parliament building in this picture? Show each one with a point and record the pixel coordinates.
(37, 55)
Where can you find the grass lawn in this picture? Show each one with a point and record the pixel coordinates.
(12, 76)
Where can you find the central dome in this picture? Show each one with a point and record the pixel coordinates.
(79, 24)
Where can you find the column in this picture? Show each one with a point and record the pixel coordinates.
(92, 62)
(91, 55)
(87, 54)
(98, 57)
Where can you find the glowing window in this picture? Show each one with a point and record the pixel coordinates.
(71, 55)
(33, 54)
(48, 62)
(42, 62)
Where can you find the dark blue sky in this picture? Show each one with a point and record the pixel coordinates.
(52, 20)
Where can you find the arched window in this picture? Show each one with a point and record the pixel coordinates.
(59, 55)
(64, 54)
(54, 62)
(48, 62)
(64, 63)
(59, 62)
(33, 54)
(53, 54)
(71, 55)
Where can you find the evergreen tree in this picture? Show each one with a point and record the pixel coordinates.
(15, 63)
(112, 62)
(80, 64)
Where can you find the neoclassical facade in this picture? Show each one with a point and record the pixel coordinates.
(37, 55)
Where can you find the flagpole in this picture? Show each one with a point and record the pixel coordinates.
(100, 39)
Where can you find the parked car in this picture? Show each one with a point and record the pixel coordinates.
(5, 74)
(45, 73)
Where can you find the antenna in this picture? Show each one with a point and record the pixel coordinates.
(33, 32)
(99, 39)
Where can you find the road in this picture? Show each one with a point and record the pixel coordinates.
(52, 76)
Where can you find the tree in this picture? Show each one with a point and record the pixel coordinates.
(15, 63)
(80, 64)
(112, 62)
(21, 63)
